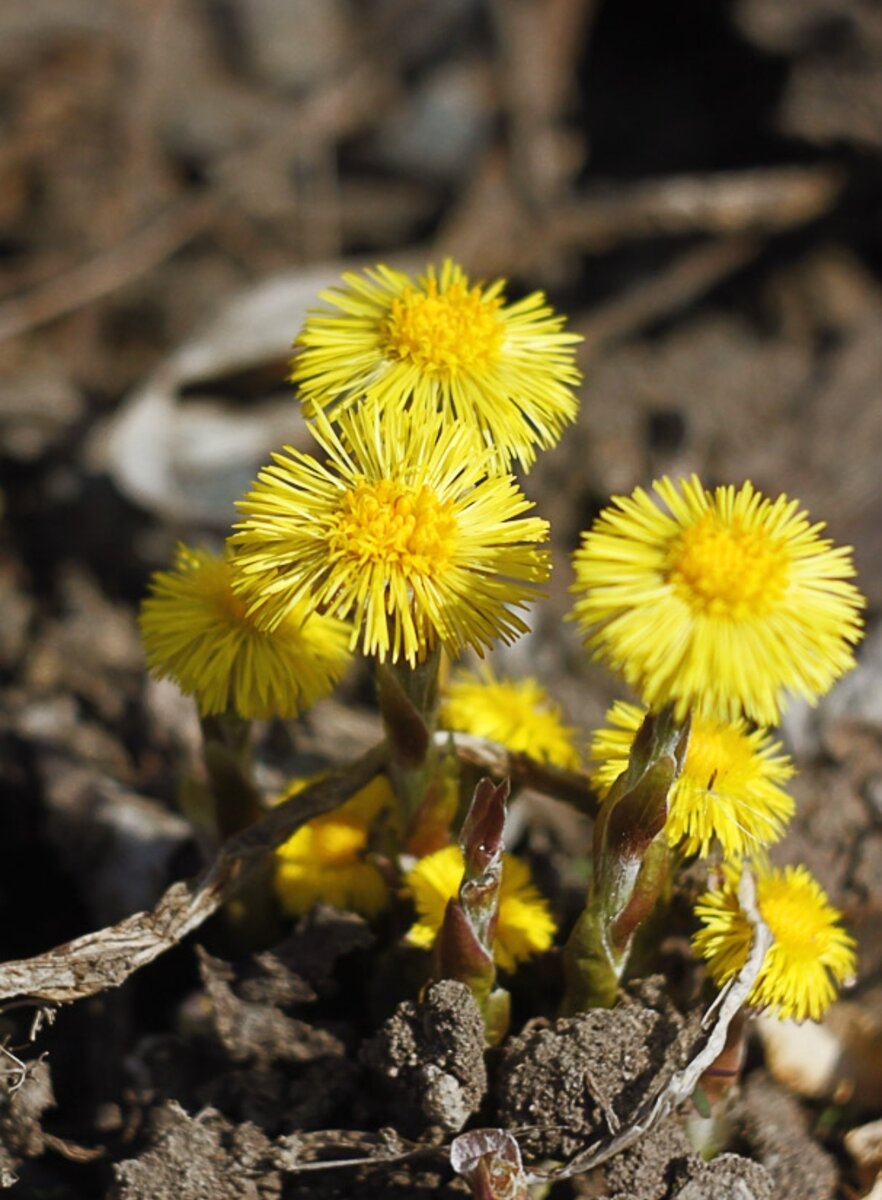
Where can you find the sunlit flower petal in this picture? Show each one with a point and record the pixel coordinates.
(401, 532)
(729, 789)
(196, 631)
(722, 601)
(810, 958)
(517, 713)
(439, 344)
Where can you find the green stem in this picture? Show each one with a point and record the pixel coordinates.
(226, 750)
(408, 698)
(251, 917)
(631, 864)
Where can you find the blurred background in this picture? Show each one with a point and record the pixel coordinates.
(696, 183)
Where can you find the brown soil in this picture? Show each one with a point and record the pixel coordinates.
(698, 186)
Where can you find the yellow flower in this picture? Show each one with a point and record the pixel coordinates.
(324, 860)
(524, 926)
(724, 603)
(517, 713)
(196, 631)
(728, 790)
(400, 531)
(810, 958)
(438, 344)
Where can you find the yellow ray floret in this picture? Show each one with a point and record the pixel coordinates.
(810, 958)
(524, 926)
(400, 531)
(729, 790)
(722, 601)
(440, 344)
(324, 861)
(196, 631)
(517, 713)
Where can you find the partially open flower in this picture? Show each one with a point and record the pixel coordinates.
(810, 958)
(197, 632)
(517, 713)
(729, 789)
(721, 602)
(524, 925)
(325, 859)
(402, 532)
(440, 345)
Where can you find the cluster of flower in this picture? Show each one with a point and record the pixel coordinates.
(407, 533)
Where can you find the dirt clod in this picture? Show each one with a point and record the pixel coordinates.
(191, 1158)
(430, 1055)
(584, 1075)
(257, 1032)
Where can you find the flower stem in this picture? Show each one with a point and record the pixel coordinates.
(250, 916)
(408, 698)
(631, 864)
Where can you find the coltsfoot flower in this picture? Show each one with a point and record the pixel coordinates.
(524, 925)
(517, 713)
(722, 602)
(440, 344)
(401, 532)
(196, 631)
(324, 860)
(729, 789)
(810, 958)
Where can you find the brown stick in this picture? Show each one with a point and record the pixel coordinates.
(105, 959)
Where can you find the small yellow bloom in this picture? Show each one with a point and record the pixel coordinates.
(810, 958)
(524, 926)
(729, 789)
(401, 531)
(723, 603)
(438, 344)
(517, 713)
(324, 860)
(196, 631)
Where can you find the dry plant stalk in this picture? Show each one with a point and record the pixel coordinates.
(106, 958)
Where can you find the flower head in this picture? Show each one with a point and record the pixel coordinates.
(439, 344)
(400, 531)
(729, 788)
(810, 958)
(197, 632)
(723, 603)
(324, 860)
(517, 713)
(524, 924)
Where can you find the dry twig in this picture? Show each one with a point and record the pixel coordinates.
(105, 959)
(724, 203)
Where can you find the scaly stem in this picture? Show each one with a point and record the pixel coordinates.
(251, 917)
(408, 698)
(631, 864)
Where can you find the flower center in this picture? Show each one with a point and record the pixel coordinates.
(792, 918)
(727, 570)
(405, 529)
(229, 607)
(714, 754)
(444, 332)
